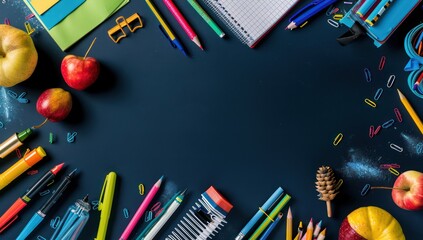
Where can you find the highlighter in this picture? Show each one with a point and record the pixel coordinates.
(27, 161)
(13, 142)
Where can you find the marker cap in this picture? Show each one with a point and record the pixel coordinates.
(34, 156)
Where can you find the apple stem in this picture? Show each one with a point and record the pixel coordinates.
(40, 125)
(92, 43)
(390, 188)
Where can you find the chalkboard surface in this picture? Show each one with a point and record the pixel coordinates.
(245, 121)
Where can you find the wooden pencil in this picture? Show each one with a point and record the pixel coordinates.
(289, 225)
(309, 233)
(322, 235)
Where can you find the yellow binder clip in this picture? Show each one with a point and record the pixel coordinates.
(117, 32)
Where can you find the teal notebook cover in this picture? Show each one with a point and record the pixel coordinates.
(58, 12)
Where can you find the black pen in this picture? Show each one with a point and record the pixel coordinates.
(12, 213)
(40, 215)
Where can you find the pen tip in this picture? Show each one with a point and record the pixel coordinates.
(73, 172)
(57, 168)
(183, 192)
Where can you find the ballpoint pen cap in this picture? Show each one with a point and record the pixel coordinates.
(72, 173)
(57, 168)
(34, 156)
(24, 134)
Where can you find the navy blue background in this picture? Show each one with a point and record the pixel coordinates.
(242, 120)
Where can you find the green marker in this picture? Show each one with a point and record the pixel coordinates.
(14, 142)
(206, 18)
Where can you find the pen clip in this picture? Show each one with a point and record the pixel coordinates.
(167, 36)
(103, 189)
(306, 7)
(8, 223)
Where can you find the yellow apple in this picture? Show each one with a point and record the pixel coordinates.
(18, 56)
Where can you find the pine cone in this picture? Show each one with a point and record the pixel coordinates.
(326, 186)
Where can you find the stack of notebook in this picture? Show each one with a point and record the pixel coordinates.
(67, 21)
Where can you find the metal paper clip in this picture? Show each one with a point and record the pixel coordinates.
(339, 184)
(391, 81)
(370, 103)
(95, 204)
(338, 139)
(365, 190)
(133, 22)
(382, 63)
(43, 193)
(1, 125)
(329, 11)
(371, 131)
(12, 94)
(368, 75)
(388, 123)
(396, 147)
(29, 28)
(393, 171)
(398, 114)
(39, 237)
(333, 23)
(378, 94)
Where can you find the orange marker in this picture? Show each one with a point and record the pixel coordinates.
(27, 161)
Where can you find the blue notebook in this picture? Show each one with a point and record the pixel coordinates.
(58, 12)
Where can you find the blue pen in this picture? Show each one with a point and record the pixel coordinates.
(266, 206)
(41, 214)
(307, 12)
(271, 227)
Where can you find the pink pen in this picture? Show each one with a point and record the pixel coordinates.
(141, 209)
(183, 22)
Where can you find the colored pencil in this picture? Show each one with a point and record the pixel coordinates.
(411, 111)
(322, 235)
(289, 225)
(317, 229)
(309, 233)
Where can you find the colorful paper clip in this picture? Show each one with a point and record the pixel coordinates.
(18, 153)
(396, 147)
(1, 124)
(389, 165)
(391, 81)
(382, 63)
(70, 137)
(398, 114)
(148, 216)
(155, 207)
(378, 94)
(302, 25)
(365, 190)
(388, 123)
(54, 223)
(12, 94)
(329, 11)
(125, 213)
(419, 148)
(29, 29)
(29, 16)
(95, 204)
(6, 21)
(377, 130)
(141, 189)
(338, 139)
(370, 103)
(371, 131)
(32, 172)
(393, 171)
(117, 32)
(368, 75)
(338, 16)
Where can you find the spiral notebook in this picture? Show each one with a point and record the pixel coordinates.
(250, 20)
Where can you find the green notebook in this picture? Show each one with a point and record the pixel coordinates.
(81, 21)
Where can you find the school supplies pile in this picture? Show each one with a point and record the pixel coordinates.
(250, 21)
(67, 21)
(378, 19)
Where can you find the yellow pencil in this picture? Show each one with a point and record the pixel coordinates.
(411, 111)
(289, 225)
(322, 235)
(309, 233)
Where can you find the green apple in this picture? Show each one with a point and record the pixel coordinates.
(18, 56)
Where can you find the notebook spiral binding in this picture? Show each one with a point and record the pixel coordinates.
(204, 220)
(230, 21)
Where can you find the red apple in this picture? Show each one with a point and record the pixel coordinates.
(408, 190)
(79, 72)
(54, 104)
(370, 223)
